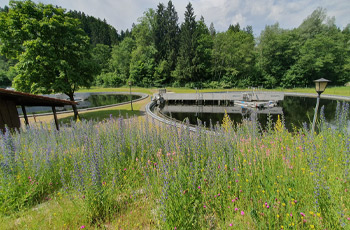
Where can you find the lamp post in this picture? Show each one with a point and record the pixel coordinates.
(130, 83)
(320, 86)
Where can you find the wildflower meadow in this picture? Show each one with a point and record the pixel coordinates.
(231, 176)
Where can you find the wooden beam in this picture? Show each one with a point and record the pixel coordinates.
(55, 116)
(25, 114)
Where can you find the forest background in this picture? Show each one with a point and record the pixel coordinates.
(158, 51)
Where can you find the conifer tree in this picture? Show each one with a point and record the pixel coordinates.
(172, 35)
(185, 69)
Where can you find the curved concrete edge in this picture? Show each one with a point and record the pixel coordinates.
(149, 108)
(143, 96)
(314, 95)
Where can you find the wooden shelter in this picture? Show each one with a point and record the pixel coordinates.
(9, 100)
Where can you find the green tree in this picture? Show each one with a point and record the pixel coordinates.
(101, 54)
(317, 48)
(172, 36)
(5, 9)
(235, 28)
(99, 31)
(185, 68)
(7, 72)
(203, 53)
(142, 65)
(233, 58)
(321, 57)
(4, 80)
(119, 64)
(166, 32)
(314, 24)
(323, 51)
(278, 50)
(212, 30)
(346, 67)
(160, 32)
(51, 48)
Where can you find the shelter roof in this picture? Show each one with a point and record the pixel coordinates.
(27, 99)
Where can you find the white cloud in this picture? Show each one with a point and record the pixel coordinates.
(258, 13)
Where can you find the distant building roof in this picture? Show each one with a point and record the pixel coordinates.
(27, 99)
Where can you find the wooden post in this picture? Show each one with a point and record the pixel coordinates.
(55, 117)
(25, 114)
(34, 117)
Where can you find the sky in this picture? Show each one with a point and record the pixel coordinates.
(258, 13)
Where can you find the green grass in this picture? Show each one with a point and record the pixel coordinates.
(99, 115)
(67, 212)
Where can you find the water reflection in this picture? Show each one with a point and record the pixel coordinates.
(295, 110)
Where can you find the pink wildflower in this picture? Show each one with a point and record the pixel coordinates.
(242, 213)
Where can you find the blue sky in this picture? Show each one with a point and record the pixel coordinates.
(257, 13)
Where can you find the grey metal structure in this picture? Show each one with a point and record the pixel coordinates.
(218, 109)
(221, 96)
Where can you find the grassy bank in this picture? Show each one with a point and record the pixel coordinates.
(131, 174)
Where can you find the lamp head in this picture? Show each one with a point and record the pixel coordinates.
(320, 85)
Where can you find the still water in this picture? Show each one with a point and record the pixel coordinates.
(85, 100)
(295, 111)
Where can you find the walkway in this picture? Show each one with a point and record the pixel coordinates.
(323, 96)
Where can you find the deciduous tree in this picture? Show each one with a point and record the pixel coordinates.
(51, 48)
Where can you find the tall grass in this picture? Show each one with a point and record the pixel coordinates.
(235, 176)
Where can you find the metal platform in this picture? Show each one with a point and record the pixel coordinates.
(221, 96)
(218, 109)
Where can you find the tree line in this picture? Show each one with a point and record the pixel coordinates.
(158, 51)
(161, 52)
